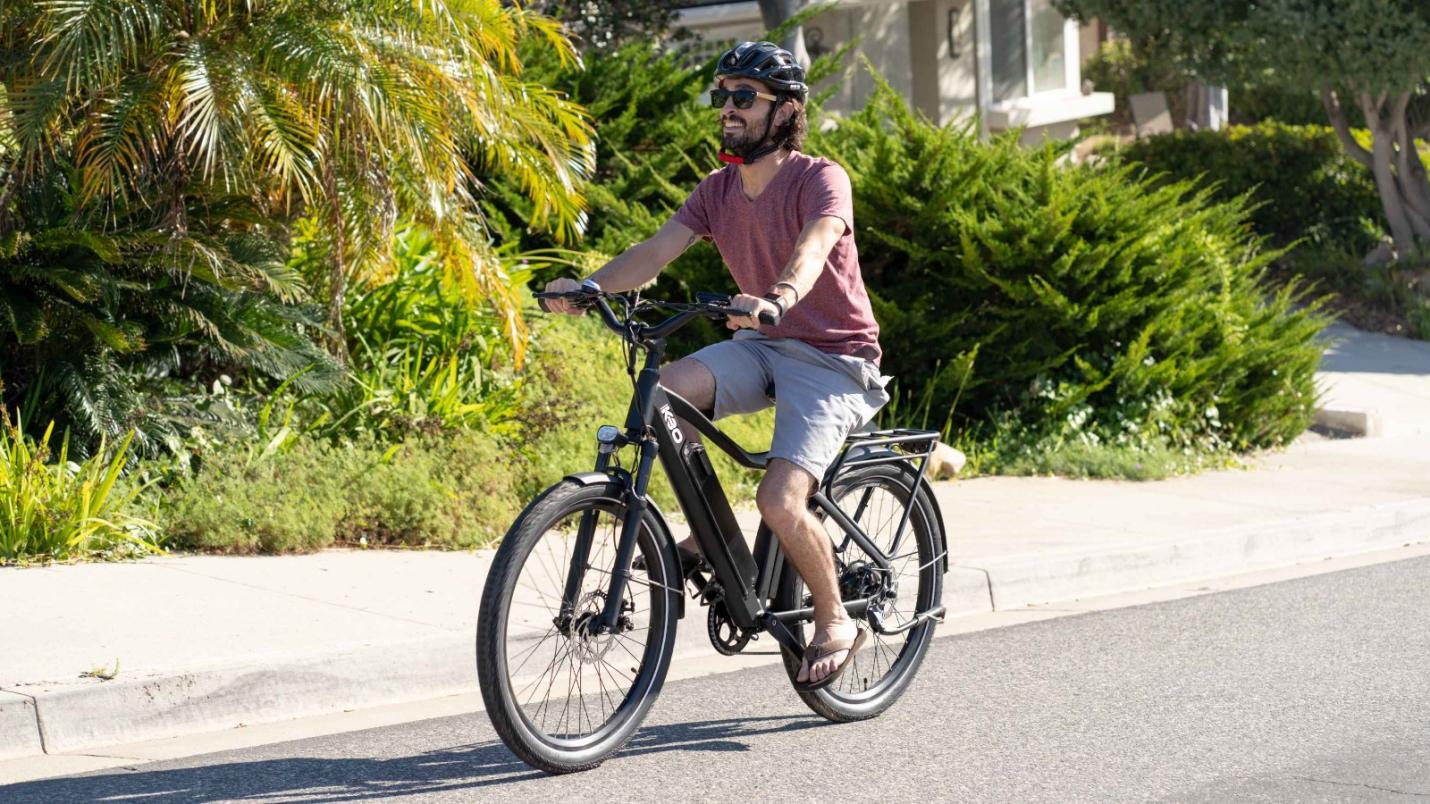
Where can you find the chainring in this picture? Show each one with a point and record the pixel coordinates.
(728, 638)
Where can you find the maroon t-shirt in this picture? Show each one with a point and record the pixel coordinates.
(757, 238)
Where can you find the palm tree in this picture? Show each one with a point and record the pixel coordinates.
(354, 111)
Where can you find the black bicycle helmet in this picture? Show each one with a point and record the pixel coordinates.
(765, 62)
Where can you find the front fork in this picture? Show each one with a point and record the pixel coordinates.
(625, 548)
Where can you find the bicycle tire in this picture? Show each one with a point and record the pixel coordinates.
(526, 727)
(858, 694)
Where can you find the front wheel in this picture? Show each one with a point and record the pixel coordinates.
(560, 695)
(876, 497)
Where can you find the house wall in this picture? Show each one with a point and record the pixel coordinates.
(943, 64)
(883, 34)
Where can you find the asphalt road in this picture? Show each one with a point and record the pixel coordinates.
(1316, 689)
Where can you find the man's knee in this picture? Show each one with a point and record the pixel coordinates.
(692, 381)
(784, 492)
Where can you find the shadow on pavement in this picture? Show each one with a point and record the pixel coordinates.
(308, 780)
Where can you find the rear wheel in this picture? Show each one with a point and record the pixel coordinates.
(562, 696)
(876, 497)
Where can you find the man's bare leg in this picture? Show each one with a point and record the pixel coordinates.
(783, 500)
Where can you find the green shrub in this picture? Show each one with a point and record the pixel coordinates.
(52, 508)
(244, 501)
(1088, 300)
(422, 359)
(1300, 180)
(1259, 103)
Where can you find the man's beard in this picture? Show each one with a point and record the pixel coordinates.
(741, 141)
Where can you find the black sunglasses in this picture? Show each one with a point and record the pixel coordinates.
(744, 98)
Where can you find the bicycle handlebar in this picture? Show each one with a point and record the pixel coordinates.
(710, 305)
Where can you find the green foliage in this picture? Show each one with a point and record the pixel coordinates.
(1299, 179)
(249, 500)
(91, 312)
(154, 155)
(52, 508)
(451, 489)
(421, 360)
(1376, 44)
(604, 25)
(1089, 301)
(451, 492)
(1294, 106)
(351, 110)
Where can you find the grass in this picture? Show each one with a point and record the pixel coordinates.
(1112, 461)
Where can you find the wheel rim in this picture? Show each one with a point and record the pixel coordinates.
(879, 503)
(571, 687)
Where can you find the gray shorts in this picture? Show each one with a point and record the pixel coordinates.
(819, 398)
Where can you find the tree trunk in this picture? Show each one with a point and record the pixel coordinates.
(338, 277)
(774, 13)
(1409, 170)
(1400, 177)
(1383, 164)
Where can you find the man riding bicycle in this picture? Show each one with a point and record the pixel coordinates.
(784, 225)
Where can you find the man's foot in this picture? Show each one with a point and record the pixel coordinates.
(829, 652)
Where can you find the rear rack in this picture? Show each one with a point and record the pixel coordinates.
(899, 445)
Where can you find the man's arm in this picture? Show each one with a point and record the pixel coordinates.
(633, 267)
(811, 251)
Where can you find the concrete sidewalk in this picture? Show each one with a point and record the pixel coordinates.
(204, 643)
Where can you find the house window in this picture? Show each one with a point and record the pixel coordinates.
(1028, 48)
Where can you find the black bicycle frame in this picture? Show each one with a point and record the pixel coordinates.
(744, 580)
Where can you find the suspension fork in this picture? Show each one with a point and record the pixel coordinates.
(580, 553)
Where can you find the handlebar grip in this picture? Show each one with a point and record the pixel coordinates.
(769, 319)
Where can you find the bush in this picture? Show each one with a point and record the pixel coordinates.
(54, 509)
(1076, 299)
(244, 501)
(1299, 179)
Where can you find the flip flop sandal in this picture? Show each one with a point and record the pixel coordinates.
(816, 651)
(690, 560)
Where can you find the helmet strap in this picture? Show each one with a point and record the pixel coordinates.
(752, 156)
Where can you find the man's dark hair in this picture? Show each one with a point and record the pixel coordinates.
(790, 136)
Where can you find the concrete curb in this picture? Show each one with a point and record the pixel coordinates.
(19, 727)
(73, 717)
